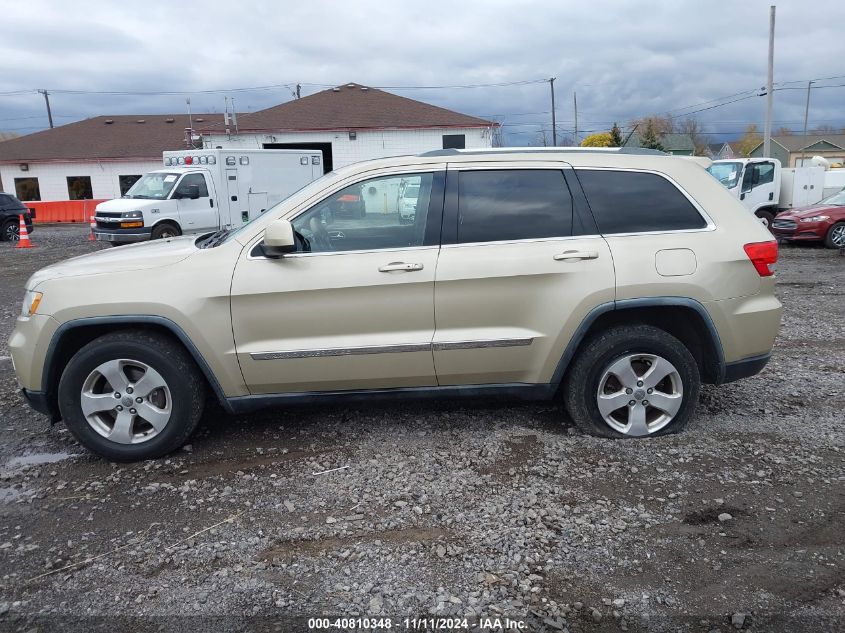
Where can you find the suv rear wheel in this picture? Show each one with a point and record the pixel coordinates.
(632, 381)
(129, 396)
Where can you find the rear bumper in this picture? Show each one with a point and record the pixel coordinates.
(745, 367)
(123, 235)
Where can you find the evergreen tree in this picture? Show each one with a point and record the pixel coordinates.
(649, 138)
(615, 136)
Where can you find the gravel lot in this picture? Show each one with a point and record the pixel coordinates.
(452, 508)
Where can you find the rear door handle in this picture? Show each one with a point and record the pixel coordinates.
(399, 267)
(568, 255)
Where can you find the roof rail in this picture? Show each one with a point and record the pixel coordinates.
(545, 150)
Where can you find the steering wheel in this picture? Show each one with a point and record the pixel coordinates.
(320, 241)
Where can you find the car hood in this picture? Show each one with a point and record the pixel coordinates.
(816, 209)
(121, 205)
(145, 255)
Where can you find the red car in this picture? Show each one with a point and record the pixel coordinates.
(824, 221)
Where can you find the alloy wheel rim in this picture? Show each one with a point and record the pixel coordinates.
(12, 233)
(639, 394)
(126, 401)
(837, 235)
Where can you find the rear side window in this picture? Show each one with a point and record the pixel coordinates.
(634, 202)
(516, 204)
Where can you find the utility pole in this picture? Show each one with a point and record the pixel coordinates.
(575, 102)
(554, 122)
(806, 114)
(47, 100)
(767, 132)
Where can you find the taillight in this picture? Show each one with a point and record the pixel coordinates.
(762, 255)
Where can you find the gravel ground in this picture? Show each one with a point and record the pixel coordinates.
(446, 509)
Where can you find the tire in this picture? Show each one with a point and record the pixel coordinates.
(128, 357)
(835, 237)
(165, 230)
(9, 231)
(632, 346)
(767, 217)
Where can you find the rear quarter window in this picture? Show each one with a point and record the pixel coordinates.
(635, 202)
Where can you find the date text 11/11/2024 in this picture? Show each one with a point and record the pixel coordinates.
(417, 624)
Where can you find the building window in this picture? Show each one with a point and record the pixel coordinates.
(454, 141)
(79, 188)
(126, 183)
(27, 189)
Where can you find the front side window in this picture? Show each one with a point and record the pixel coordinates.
(27, 189)
(375, 214)
(188, 181)
(79, 188)
(635, 202)
(765, 173)
(153, 186)
(515, 204)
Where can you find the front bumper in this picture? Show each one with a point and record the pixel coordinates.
(123, 235)
(796, 230)
(39, 401)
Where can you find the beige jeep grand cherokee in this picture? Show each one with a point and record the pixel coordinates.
(618, 279)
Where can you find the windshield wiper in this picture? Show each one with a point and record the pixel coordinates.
(214, 239)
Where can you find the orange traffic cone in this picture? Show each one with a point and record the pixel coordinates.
(23, 241)
(93, 225)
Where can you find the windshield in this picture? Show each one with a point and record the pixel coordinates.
(726, 173)
(837, 199)
(154, 186)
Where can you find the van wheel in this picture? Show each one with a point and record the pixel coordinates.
(766, 217)
(129, 396)
(9, 231)
(165, 230)
(835, 237)
(632, 381)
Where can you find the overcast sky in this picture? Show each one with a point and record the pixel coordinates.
(624, 59)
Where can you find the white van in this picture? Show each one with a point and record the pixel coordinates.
(199, 191)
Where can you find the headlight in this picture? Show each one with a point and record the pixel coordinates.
(816, 218)
(132, 215)
(30, 302)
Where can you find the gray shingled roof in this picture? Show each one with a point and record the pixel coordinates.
(352, 107)
(142, 136)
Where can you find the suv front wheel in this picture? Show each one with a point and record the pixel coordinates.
(632, 381)
(129, 396)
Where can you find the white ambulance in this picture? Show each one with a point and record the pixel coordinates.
(203, 190)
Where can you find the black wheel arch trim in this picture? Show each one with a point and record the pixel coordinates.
(645, 302)
(49, 371)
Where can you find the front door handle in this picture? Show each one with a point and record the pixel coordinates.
(571, 255)
(399, 267)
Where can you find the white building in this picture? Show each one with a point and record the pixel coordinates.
(100, 158)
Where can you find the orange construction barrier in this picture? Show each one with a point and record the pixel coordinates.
(70, 211)
(23, 240)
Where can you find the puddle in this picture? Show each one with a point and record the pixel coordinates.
(37, 459)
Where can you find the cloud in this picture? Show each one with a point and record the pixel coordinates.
(625, 60)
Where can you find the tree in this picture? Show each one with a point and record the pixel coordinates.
(783, 131)
(823, 129)
(751, 139)
(661, 124)
(649, 138)
(615, 136)
(700, 140)
(600, 139)
(5, 136)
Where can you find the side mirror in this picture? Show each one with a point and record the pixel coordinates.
(193, 191)
(278, 239)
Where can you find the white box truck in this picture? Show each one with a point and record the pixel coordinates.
(201, 191)
(764, 188)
